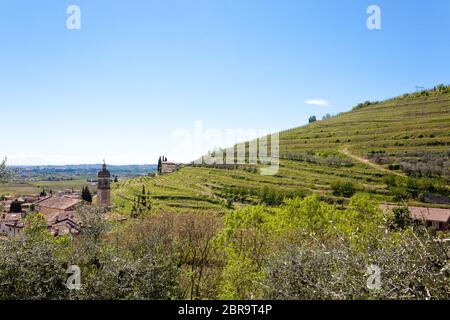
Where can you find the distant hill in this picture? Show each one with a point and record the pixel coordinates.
(82, 170)
(32, 179)
(396, 150)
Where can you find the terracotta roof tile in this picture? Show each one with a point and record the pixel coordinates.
(61, 203)
(423, 213)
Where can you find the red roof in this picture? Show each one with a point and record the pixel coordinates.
(60, 203)
(423, 213)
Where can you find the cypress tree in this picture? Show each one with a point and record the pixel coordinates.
(159, 165)
(86, 194)
(15, 207)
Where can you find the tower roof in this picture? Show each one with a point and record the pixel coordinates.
(104, 173)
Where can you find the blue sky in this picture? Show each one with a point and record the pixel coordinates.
(139, 70)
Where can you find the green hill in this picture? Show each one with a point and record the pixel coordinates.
(396, 150)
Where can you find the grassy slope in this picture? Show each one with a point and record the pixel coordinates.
(398, 126)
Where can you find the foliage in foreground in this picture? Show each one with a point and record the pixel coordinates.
(304, 249)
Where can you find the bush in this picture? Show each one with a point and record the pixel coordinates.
(401, 219)
(343, 188)
(31, 270)
(15, 207)
(394, 166)
(414, 268)
(390, 181)
(399, 193)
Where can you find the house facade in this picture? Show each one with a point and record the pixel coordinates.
(169, 167)
(54, 205)
(437, 218)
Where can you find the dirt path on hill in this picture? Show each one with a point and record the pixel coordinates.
(371, 164)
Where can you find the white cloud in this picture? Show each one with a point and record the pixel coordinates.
(318, 102)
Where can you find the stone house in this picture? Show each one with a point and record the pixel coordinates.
(53, 205)
(169, 167)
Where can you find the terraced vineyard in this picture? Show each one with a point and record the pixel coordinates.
(409, 135)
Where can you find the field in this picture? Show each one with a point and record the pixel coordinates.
(27, 188)
(401, 137)
(32, 179)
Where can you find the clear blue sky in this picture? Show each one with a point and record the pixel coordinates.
(138, 70)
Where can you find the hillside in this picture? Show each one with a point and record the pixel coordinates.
(396, 150)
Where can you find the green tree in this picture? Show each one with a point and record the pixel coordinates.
(32, 271)
(5, 173)
(35, 227)
(86, 195)
(312, 119)
(402, 219)
(343, 188)
(15, 207)
(159, 165)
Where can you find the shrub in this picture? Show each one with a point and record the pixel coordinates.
(343, 188)
(394, 166)
(15, 207)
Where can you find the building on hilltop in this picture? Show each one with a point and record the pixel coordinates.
(104, 188)
(169, 167)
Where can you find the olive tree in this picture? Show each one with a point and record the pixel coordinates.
(5, 173)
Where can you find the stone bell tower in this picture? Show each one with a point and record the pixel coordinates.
(104, 188)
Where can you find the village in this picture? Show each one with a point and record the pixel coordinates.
(59, 208)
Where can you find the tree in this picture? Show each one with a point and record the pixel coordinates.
(159, 165)
(312, 119)
(401, 219)
(43, 193)
(86, 195)
(36, 227)
(32, 271)
(343, 188)
(15, 207)
(5, 173)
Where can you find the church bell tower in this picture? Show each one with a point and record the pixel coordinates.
(104, 188)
